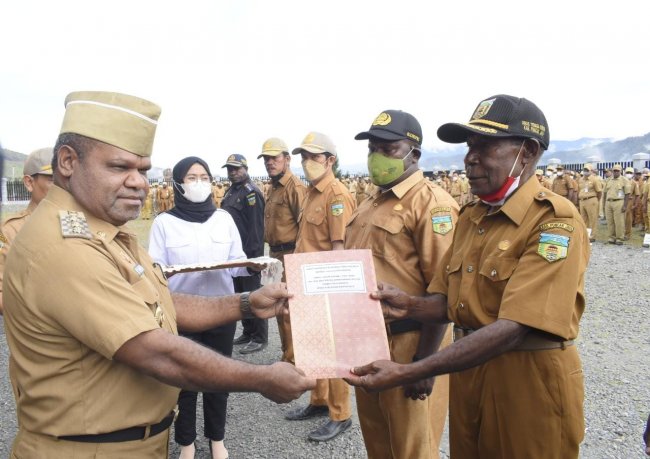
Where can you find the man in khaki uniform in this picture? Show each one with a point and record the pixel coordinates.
(464, 183)
(37, 179)
(408, 224)
(95, 359)
(563, 184)
(616, 194)
(164, 198)
(635, 198)
(456, 189)
(218, 194)
(590, 191)
(326, 211)
(516, 385)
(281, 215)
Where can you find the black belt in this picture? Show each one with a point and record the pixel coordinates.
(403, 326)
(584, 199)
(283, 247)
(130, 434)
(619, 199)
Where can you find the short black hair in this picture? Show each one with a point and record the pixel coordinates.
(79, 143)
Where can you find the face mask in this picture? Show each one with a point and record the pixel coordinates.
(197, 191)
(385, 170)
(313, 169)
(463, 175)
(629, 176)
(583, 173)
(549, 173)
(560, 173)
(454, 179)
(509, 186)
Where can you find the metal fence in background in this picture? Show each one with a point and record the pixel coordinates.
(16, 191)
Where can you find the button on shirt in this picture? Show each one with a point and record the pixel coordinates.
(71, 303)
(521, 271)
(174, 241)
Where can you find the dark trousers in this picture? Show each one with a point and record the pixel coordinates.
(215, 404)
(257, 329)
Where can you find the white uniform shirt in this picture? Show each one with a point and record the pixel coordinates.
(178, 242)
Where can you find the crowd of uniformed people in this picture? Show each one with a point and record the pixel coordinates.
(480, 272)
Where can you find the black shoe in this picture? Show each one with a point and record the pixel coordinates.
(252, 347)
(611, 242)
(330, 430)
(619, 242)
(242, 339)
(306, 412)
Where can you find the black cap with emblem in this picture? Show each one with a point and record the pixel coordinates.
(392, 125)
(500, 116)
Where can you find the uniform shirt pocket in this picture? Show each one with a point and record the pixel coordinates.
(387, 241)
(494, 275)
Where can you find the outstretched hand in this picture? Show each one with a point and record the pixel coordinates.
(285, 383)
(395, 303)
(270, 300)
(377, 376)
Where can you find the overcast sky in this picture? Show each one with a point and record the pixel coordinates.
(230, 74)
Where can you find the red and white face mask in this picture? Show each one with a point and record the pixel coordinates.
(509, 186)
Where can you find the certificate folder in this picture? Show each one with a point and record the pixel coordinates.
(335, 325)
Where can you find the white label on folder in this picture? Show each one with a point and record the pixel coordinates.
(343, 277)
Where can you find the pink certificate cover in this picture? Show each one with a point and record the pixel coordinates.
(335, 325)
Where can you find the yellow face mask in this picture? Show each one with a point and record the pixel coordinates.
(313, 169)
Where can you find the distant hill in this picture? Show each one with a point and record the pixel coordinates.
(13, 167)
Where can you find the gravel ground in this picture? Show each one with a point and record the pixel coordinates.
(614, 344)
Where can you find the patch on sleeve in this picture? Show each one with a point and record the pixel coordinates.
(442, 224)
(74, 224)
(251, 198)
(553, 247)
(441, 220)
(551, 225)
(337, 207)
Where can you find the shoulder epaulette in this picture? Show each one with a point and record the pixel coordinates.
(74, 224)
(562, 206)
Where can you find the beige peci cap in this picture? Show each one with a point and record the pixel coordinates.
(124, 121)
(316, 143)
(630, 170)
(273, 147)
(39, 162)
(617, 167)
(539, 172)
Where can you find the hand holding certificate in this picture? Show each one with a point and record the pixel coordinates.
(335, 325)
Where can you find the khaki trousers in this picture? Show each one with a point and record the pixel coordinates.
(396, 427)
(615, 220)
(522, 404)
(589, 213)
(284, 323)
(629, 219)
(29, 445)
(335, 394)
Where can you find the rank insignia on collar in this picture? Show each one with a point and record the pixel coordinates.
(441, 224)
(74, 224)
(337, 208)
(553, 247)
(3, 240)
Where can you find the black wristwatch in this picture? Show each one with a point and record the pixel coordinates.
(245, 305)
